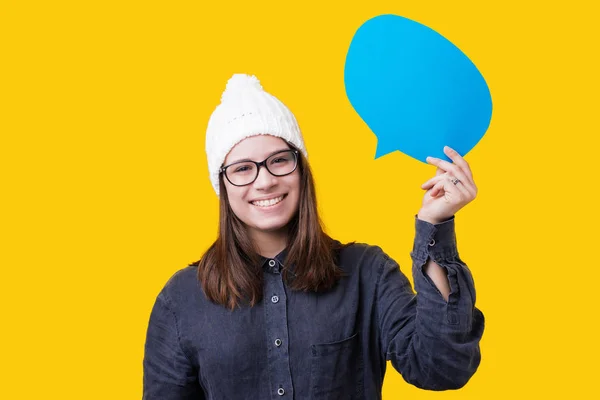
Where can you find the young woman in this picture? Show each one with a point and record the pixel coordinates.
(277, 309)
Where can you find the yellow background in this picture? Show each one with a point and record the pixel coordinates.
(105, 190)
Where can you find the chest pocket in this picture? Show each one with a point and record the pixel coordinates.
(337, 370)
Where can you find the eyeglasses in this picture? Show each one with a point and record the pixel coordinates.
(243, 173)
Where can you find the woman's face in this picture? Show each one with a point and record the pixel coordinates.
(270, 202)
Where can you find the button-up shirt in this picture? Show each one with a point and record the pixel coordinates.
(333, 345)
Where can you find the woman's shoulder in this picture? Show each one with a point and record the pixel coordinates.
(182, 284)
(360, 255)
(360, 248)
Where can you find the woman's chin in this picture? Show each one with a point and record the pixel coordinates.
(278, 225)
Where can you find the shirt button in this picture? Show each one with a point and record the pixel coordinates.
(277, 342)
(432, 242)
(280, 391)
(274, 299)
(271, 263)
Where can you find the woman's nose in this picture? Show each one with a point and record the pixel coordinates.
(265, 179)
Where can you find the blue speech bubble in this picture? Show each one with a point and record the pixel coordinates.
(415, 89)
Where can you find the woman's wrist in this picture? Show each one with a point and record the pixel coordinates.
(426, 218)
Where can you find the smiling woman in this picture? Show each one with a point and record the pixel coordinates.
(276, 308)
(266, 207)
(264, 199)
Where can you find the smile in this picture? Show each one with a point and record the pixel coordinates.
(268, 202)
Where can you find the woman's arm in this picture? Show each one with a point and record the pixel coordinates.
(438, 276)
(168, 373)
(432, 338)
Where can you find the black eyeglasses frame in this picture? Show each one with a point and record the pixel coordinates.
(260, 164)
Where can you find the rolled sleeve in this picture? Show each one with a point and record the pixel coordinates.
(438, 243)
(437, 240)
(434, 344)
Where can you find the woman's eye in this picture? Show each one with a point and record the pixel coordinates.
(244, 168)
(281, 159)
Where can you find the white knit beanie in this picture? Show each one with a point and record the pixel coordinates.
(246, 110)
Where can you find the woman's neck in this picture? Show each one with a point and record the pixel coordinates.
(269, 244)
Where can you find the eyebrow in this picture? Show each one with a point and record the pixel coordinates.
(247, 159)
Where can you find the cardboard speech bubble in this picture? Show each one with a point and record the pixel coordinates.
(415, 90)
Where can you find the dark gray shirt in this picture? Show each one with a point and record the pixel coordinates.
(334, 345)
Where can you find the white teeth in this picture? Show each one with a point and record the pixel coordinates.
(267, 203)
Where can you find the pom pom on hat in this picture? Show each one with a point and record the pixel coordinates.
(238, 84)
(246, 110)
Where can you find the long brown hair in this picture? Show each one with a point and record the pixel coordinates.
(230, 270)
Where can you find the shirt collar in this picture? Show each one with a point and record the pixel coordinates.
(275, 264)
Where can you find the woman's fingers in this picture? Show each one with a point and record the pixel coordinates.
(462, 189)
(458, 160)
(433, 180)
(456, 193)
(437, 189)
(454, 170)
(448, 167)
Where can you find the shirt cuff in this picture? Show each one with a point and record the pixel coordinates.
(437, 241)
